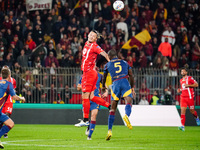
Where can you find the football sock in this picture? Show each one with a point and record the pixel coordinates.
(100, 101)
(128, 109)
(111, 120)
(195, 115)
(92, 127)
(4, 129)
(183, 120)
(86, 108)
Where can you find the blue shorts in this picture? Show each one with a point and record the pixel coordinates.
(3, 117)
(120, 88)
(94, 105)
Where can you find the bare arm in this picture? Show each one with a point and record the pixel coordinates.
(130, 73)
(104, 81)
(17, 98)
(79, 87)
(192, 85)
(104, 54)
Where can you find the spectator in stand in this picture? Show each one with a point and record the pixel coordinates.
(7, 23)
(155, 46)
(148, 48)
(52, 95)
(48, 25)
(142, 60)
(18, 43)
(99, 25)
(84, 19)
(143, 101)
(30, 42)
(17, 68)
(13, 50)
(9, 60)
(51, 49)
(195, 53)
(183, 60)
(51, 59)
(37, 93)
(66, 94)
(144, 91)
(23, 59)
(28, 77)
(142, 20)
(74, 45)
(168, 34)
(165, 48)
(123, 26)
(38, 34)
(130, 61)
(149, 13)
(155, 100)
(160, 10)
(112, 39)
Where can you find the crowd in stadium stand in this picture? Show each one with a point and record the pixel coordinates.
(62, 31)
(55, 38)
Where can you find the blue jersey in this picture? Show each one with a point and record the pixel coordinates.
(96, 91)
(117, 68)
(6, 89)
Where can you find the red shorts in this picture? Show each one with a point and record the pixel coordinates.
(186, 101)
(7, 108)
(89, 80)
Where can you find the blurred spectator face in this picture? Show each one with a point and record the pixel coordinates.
(169, 29)
(80, 48)
(38, 18)
(92, 37)
(143, 86)
(155, 93)
(59, 18)
(155, 40)
(166, 39)
(51, 54)
(187, 46)
(37, 13)
(52, 86)
(143, 14)
(22, 52)
(66, 87)
(161, 5)
(141, 53)
(84, 12)
(173, 58)
(49, 18)
(29, 38)
(133, 13)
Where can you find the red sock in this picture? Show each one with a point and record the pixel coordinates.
(100, 101)
(195, 114)
(183, 120)
(86, 108)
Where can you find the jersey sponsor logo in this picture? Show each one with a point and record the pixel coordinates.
(3, 82)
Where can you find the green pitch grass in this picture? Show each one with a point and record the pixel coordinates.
(64, 137)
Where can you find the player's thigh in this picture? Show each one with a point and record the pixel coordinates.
(183, 102)
(191, 105)
(128, 99)
(115, 91)
(183, 110)
(9, 123)
(114, 105)
(89, 81)
(7, 108)
(126, 91)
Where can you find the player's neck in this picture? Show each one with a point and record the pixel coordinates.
(184, 76)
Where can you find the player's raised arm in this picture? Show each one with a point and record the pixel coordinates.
(192, 85)
(104, 54)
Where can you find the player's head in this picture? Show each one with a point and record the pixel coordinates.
(93, 36)
(184, 70)
(112, 54)
(5, 72)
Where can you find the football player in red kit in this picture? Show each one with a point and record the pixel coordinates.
(8, 106)
(90, 76)
(187, 97)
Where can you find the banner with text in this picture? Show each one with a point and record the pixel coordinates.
(32, 5)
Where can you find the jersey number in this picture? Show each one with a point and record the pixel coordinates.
(117, 65)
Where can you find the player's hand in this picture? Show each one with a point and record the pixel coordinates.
(186, 85)
(178, 90)
(133, 91)
(23, 99)
(105, 94)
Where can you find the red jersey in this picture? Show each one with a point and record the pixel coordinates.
(13, 81)
(89, 55)
(187, 92)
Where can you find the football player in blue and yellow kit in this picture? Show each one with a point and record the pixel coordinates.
(6, 89)
(120, 71)
(94, 107)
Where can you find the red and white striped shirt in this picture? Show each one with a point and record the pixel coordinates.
(89, 55)
(187, 92)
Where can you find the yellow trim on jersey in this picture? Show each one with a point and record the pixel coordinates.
(3, 96)
(127, 93)
(114, 96)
